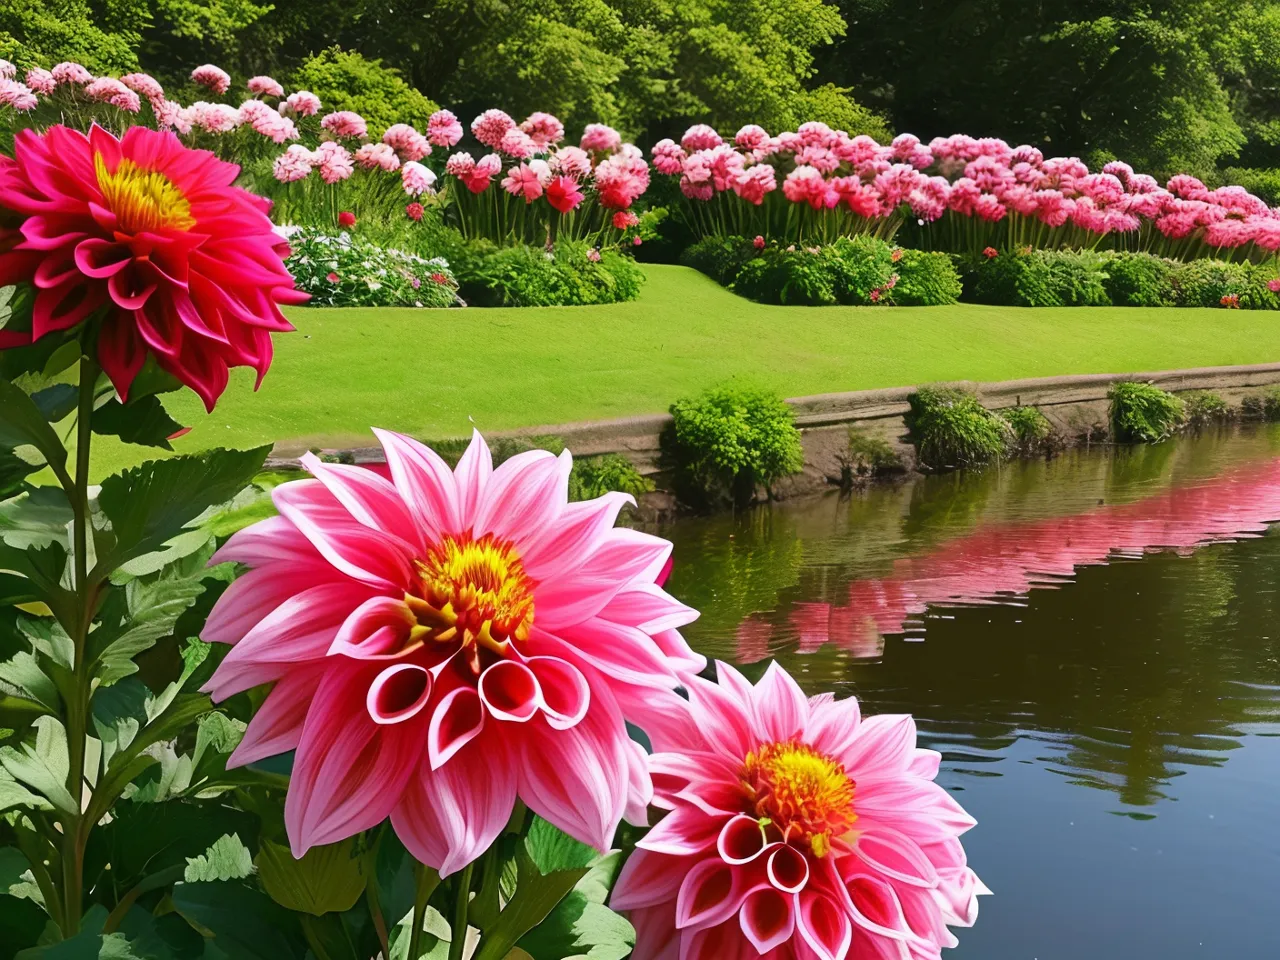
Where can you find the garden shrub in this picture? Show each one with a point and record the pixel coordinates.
(730, 440)
(595, 476)
(720, 258)
(1262, 182)
(862, 269)
(523, 276)
(345, 270)
(926, 279)
(1203, 407)
(1139, 280)
(1143, 413)
(1077, 277)
(1261, 406)
(1013, 280)
(1204, 283)
(853, 271)
(867, 457)
(345, 80)
(950, 428)
(1031, 429)
(1257, 294)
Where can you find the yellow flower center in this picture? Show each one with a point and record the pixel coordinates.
(802, 793)
(475, 592)
(142, 200)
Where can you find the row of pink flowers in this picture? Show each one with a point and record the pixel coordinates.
(986, 179)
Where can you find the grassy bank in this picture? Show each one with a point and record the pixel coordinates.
(435, 373)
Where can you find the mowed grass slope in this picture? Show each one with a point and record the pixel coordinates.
(436, 373)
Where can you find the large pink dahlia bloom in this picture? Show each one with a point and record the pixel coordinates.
(442, 642)
(797, 829)
(155, 240)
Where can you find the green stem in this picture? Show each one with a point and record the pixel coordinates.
(427, 881)
(458, 935)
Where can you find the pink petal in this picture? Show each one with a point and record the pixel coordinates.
(364, 554)
(525, 496)
(624, 654)
(656, 935)
(707, 781)
(741, 840)
(277, 726)
(272, 541)
(377, 629)
(824, 926)
(398, 693)
(472, 477)
(369, 499)
(350, 772)
(924, 764)
(787, 869)
(566, 546)
(565, 694)
(833, 725)
(639, 786)
(895, 855)
(919, 808)
(709, 895)
(509, 691)
(648, 879)
(425, 484)
(648, 607)
(781, 708)
(882, 747)
(768, 919)
(457, 720)
(567, 598)
(449, 816)
(683, 832)
(250, 598)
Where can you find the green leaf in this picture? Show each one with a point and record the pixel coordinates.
(35, 518)
(328, 879)
(44, 570)
(216, 736)
(15, 795)
(43, 766)
(119, 712)
(22, 423)
(87, 946)
(579, 928)
(142, 421)
(150, 504)
(57, 402)
(246, 924)
(14, 471)
(22, 676)
(135, 617)
(552, 850)
(49, 639)
(227, 859)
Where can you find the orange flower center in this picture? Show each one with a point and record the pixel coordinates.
(142, 200)
(802, 793)
(475, 592)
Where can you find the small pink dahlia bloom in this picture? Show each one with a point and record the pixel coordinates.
(294, 164)
(69, 72)
(112, 91)
(303, 103)
(668, 156)
(523, 181)
(490, 127)
(144, 85)
(700, 137)
(377, 156)
(7, 70)
(518, 144)
(407, 142)
(571, 161)
(544, 129)
(600, 138)
(345, 123)
(265, 86)
(445, 641)
(796, 830)
(16, 95)
(334, 162)
(207, 75)
(417, 179)
(443, 128)
(41, 80)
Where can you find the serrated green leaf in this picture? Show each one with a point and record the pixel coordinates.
(598, 882)
(43, 765)
(151, 504)
(119, 712)
(22, 676)
(552, 850)
(15, 795)
(22, 423)
(48, 639)
(138, 615)
(227, 859)
(579, 928)
(143, 420)
(328, 879)
(35, 518)
(57, 402)
(216, 736)
(86, 946)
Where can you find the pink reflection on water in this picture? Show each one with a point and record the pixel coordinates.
(1005, 560)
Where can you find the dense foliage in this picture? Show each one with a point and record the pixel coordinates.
(345, 270)
(950, 429)
(1143, 413)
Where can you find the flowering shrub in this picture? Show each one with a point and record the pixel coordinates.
(571, 274)
(956, 194)
(345, 270)
(854, 271)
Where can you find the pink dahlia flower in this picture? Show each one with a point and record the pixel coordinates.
(345, 123)
(274, 126)
(815, 133)
(213, 117)
(668, 157)
(152, 237)
(700, 137)
(407, 142)
(564, 194)
(751, 137)
(377, 156)
(621, 180)
(521, 181)
(571, 161)
(755, 183)
(443, 642)
(443, 128)
(41, 80)
(209, 76)
(303, 103)
(796, 829)
(69, 72)
(265, 87)
(334, 162)
(1274, 285)
(543, 129)
(170, 116)
(600, 138)
(490, 127)
(7, 70)
(805, 185)
(18, 95)
(624, 220)
(144, 85)
(417, 179)
(112, 91)
(517, 144)
(294, 164)
(459, 164)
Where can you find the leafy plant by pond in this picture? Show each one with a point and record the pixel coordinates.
(1143, 413)
(1032, 430)
(1261, 406)
(732, 439)
(950, 428)
(1203, 407)
(867, 456)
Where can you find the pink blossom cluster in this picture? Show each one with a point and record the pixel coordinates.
(345, 124)
(71, 73)
(302, 103)
(270, 123)
(962, 177)
(406, 142)
(16, 95)
(214, 78)
(112, 91)
(144, 85)
(211, 117)
(265, 86)
(443, 128)
(378, 156)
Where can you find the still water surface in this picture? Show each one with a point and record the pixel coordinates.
(1093, 643)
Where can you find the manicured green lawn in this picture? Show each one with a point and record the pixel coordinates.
(434, 373)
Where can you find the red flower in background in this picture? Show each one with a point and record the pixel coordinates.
(758, 242)
(991, 253)
(414, 210)
(1231, 301)
(346, 219)
(332, 277)
(152, 238)
(564, 194)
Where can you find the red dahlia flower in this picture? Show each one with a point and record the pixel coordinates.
(153, 238)
(346, 219)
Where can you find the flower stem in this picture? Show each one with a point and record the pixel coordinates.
(427, 881)
(458, 935)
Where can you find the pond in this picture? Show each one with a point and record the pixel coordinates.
(1092, 642)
